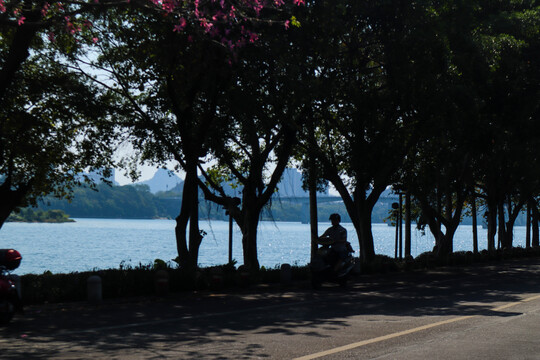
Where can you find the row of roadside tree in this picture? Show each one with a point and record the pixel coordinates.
(439, 99)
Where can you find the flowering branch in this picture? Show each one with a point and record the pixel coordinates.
(230, 22)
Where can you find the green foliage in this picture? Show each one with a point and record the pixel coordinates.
(37, 215)
(159, 264)
(54, 123)
(125, 202)
(136, 202)
(139, 280)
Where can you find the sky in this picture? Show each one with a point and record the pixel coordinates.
(147, 172)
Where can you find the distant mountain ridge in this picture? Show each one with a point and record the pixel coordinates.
(163, 180)
(290, 185)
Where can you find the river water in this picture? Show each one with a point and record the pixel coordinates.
(89, 244)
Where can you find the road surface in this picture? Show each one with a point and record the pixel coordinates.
(489, 311)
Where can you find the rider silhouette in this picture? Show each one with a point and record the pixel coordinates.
(336, 235)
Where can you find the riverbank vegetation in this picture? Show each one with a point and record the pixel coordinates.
(140, 280)
(137, 202)
(436, 99)
(39, 216)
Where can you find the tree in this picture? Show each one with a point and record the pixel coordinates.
(504, 76)
(53, 125)
(23, 28)
(365, 58)
(169, 84)
(262, 109)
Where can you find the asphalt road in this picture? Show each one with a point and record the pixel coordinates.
(489, 311)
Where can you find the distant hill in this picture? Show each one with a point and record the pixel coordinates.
(163, 180)
(97, 176)
(290, 186)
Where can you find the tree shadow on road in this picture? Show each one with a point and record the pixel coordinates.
(231, 325)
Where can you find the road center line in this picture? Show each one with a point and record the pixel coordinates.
(404, 332)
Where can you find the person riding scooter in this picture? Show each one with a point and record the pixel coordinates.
(336, 236)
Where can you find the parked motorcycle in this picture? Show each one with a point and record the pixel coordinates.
(324, 266)
(10, 301)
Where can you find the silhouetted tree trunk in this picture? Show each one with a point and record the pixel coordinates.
(188, 248)
(514, 209)
(407, 224)
(535, 231)
(474, 224)
(18, 51)
(11, 199)
(491, 218)
(501, 226)
(528, 226)
(313, 218)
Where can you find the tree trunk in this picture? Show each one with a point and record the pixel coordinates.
(528, 227)
(11, 199)
(195, 236)
(502, 232)
(313, 218)
(365, 236)
(248, 226)
(249, 239)
(18, 53)
(407, 224)
(443, 241)
(535, 241)
(513, 213)
(491, 216)
(188, 255)
(446, 244)
(312, 183)
(474, 225)
(400, 226)
(359, 209)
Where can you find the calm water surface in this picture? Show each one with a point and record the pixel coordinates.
(91, 244)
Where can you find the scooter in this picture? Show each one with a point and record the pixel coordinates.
(323, 265)
(10, 301)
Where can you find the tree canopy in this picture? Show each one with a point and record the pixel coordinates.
(436, 98)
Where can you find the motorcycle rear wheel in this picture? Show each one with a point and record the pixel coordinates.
(316, 283)
(7, 310)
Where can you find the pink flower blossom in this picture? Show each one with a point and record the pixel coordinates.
(95, 40)
(253, 37)
(2, 7)
(299, 2)
(181, 25)
(206, 25)
(20, 20)
(45, 9)
(168, 5)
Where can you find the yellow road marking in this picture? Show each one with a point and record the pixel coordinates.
(516, 303)
(405, 332)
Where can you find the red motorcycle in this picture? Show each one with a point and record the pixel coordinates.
(10, 301)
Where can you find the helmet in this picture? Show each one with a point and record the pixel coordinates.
(335, 217)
